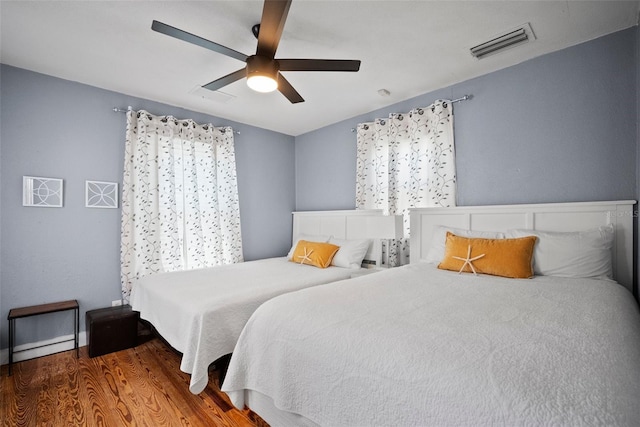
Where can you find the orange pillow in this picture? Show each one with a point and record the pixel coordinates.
(498, 257)
(314, 253)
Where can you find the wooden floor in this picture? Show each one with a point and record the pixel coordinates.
(142, 386)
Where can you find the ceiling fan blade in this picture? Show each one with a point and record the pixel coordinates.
(288, 91)
(226, 80)
(199, 41)
(274, 15)
(319, 65)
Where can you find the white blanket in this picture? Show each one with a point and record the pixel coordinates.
(417, 346)
(202, 312)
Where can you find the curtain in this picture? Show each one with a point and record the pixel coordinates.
(406, 161)
(180, 206)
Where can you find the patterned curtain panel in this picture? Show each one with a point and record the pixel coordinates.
(372, 165)
(406, 161)
(180, 206)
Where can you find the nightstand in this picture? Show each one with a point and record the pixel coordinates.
(36, 310)
(111, 329)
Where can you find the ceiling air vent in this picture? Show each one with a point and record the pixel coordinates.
(217, 95)
(509, 39)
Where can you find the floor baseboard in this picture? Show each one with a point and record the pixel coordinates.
(42, 348)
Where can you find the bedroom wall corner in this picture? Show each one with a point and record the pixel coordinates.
(266, 185)
(325, 169)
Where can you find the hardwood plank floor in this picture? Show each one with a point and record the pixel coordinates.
(142, 386)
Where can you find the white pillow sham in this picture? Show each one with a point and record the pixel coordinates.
(308, 238)
(351, 252)
(584, 254)
(439, 237)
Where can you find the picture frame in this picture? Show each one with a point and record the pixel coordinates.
(42, 192)
(101, 194)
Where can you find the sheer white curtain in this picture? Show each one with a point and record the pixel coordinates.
(406, 161)
(180, 205)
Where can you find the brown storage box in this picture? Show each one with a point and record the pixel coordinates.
(111, 329)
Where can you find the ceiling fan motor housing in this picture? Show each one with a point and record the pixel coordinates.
(262, 66)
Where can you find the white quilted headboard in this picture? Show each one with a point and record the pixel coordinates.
(548, 217)
(341, 224)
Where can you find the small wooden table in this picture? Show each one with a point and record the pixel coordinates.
(35, 310)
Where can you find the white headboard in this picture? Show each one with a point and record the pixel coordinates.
(343, 224)
(548, 217)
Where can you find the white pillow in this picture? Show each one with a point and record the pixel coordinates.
(572, 254)
(351, 252)
(439, 236)
(308, 238)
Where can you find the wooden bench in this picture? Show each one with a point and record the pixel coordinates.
(35, 310)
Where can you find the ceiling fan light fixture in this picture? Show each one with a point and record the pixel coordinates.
(261, 83)
(262, 74)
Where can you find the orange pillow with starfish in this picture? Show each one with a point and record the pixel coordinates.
(317, 254)
(498, 257)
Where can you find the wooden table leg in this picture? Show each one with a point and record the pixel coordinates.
(11, 332)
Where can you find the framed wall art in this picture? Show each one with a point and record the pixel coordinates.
(43, 192)
(100, 194)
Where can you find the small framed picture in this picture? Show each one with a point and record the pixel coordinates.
(42, 192)
(99, 194)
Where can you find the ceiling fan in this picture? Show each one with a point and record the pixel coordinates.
(263, 70)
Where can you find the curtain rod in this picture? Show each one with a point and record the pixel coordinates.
(453, 101)
(120, 110)
(463, 98)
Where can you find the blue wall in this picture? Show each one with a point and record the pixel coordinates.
(57, 128)
(557, 128)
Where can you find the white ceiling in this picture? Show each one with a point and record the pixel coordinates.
(406, 47)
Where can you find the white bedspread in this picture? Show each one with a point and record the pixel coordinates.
(202, 312)
(417, 346)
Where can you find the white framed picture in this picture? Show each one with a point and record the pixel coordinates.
(42, 192)
(100, 194)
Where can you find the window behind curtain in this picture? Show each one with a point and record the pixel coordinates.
(180, 206)
(406, 161)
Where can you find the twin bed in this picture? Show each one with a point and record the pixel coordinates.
(418, 345)
(201, 312)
